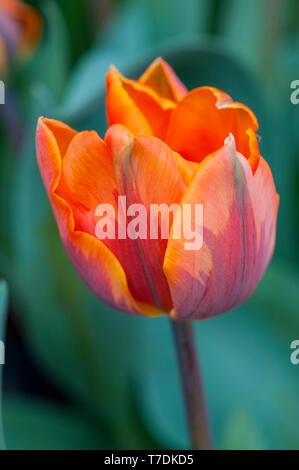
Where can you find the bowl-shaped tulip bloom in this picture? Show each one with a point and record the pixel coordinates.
(164, 145)
(20, 29)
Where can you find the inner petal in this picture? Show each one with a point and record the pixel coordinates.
(202, 121)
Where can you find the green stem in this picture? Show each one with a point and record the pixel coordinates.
(198, 422)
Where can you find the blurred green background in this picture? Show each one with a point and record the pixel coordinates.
(79, 375)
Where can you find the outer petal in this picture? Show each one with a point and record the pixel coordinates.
(52, 134)
(204, 118)
(265, 201)
(136, 106)
(147, 173)
(161, 78)
(239, 218)
(87, 180)
(96, 264)
(87, 172)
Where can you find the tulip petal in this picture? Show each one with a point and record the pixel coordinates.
(87, 171)
(87, 180)
(136, 106)
(239, 218)
(95, 263)
(147, 173)
(49, 158)
(161, 78)
(119, 137)
(202, 121)
(63, 134)
(265, 201)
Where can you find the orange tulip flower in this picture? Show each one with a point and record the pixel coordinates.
(164, 145)
(20, 29)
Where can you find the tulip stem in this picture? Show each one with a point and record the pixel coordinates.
(196, 411)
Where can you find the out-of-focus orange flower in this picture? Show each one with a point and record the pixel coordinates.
(164, 145)
(20, 29)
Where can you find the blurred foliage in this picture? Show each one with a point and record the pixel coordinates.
(3, 308)
(34, 425)
(118, 372)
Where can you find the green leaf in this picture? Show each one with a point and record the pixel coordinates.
(87, 84)
(176, 19)
(37, 425)
(122, 42)
(241, 432)
(3, 308)
(245, 358)
(159, 390)
(244, 27)
(134, 31)
(50, 63)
